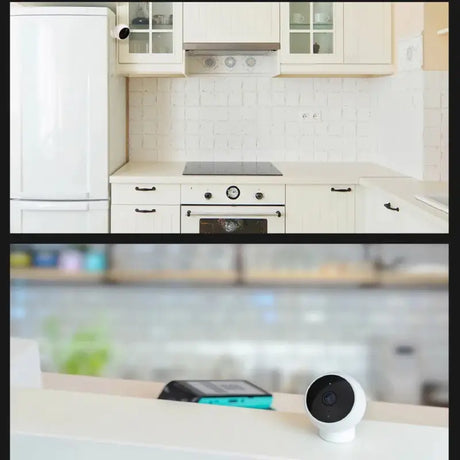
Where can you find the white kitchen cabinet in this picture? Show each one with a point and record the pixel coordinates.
(311, 32)
(336, 38)
(58, 216)
(231, 22)
(320, 208)
(142, 218)
(142, 193)
(367, 33)
(378, 211)
(154, 44)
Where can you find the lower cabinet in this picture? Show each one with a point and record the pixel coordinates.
(381, 212)
(144, 218)
(320, 208)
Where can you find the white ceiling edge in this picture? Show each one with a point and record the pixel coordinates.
(111, 5)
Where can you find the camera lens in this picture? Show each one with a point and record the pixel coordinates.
(124, 33)
(329, 398)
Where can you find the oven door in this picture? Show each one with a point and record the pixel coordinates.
(232, 219)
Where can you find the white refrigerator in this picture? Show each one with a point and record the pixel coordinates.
(67, 119)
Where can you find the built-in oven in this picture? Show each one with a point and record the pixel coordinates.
(229, 208)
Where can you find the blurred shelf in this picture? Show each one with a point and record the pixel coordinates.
(319, 277)
(396, 278)
(443, 31)
(347, 277)
(310, 277)
(54, 274)
(145, 276)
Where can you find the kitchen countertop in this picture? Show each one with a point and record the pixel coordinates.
(293, 173)
(405, 188)
(111, 418)
(282, 402)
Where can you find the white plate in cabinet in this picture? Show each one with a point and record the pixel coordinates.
(143, 218)
(154, 44)
(320, 208)
(146, 194)
(311, 32)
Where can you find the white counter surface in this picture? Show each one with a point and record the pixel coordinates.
(405, 188)
(81, 424)
(293, 173)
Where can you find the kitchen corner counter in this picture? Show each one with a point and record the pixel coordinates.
(108, 422)
(282, 402)
(405, 189)
(293, 173)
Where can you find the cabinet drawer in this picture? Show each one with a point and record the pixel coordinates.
(143, 218)
(145, 193)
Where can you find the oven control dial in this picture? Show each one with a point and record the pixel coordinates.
(259, 195)
(233, 192)
(208, 195)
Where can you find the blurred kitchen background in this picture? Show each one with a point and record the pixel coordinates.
(276, 314)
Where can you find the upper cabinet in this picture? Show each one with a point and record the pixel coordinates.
(316, 38)
(341, 38)
(367, 33)
(154, 44)
(231, 22)
(311, 32)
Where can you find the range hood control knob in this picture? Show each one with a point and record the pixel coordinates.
(259, 195)
(208, 195)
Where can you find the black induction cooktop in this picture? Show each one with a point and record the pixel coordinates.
(230, 168)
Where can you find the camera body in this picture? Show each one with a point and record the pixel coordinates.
(120, 32)
(335, 403)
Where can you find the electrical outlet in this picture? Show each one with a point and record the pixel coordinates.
(310, 115)
(316, 116)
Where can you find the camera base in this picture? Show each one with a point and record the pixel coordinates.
(338, 436)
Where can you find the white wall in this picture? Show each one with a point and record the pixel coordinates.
(409, 115)
(248, 118)
(399, 121)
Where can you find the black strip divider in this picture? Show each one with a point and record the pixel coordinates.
(271, 238)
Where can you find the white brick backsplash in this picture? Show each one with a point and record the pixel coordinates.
(366, 119)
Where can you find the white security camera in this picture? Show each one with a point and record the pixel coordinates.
(335, 403)
(120, 32)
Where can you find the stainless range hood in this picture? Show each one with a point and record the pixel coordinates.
(230, 48)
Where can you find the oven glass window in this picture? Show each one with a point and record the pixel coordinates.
(233, 225)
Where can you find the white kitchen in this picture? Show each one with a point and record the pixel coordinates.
(206, 117)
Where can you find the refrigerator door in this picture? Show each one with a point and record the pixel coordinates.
(59, 107)
(59, 216)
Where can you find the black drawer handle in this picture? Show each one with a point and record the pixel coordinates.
(145, 210)
(388, 206)
(340, 189)
(145, 189)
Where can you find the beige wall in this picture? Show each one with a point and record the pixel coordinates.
(413, 18)
(435, 47)
(408, 19)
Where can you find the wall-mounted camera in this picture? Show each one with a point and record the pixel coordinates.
(120, 32)
(335, 403)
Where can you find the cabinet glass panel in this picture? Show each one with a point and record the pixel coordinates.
(322, 43)
(139, 15)
(162, 15)
(162, 42)
(322, 16)
(299, 15)
(299, 43)
(138, 42)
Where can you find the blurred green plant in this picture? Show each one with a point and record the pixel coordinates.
(86, 352)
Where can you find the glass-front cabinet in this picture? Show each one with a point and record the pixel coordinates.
(311, 32)
(155, 32)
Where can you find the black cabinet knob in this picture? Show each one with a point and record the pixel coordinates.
(259, 195)
(208, 195)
